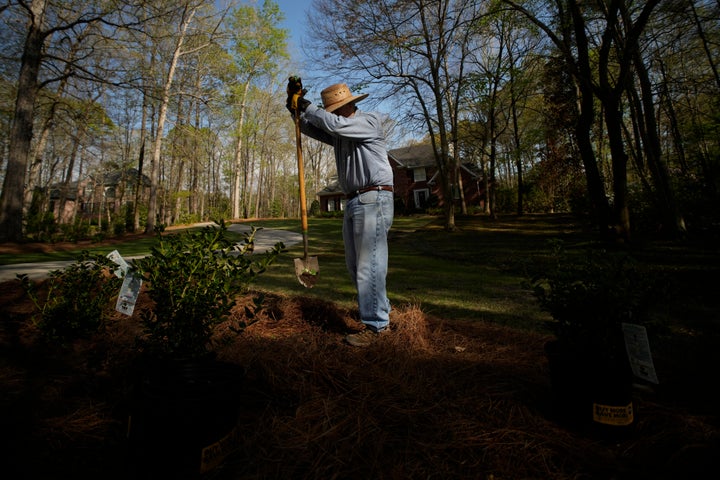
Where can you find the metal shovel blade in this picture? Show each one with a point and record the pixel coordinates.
(306, 270)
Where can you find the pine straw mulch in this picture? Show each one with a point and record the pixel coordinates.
(431, 399)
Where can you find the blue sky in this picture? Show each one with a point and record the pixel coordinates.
(295, 12)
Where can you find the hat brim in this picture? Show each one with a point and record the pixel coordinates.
(353, 99)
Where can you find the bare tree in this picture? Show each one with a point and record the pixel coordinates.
(187, 10)
(417, 51)
(616, 28)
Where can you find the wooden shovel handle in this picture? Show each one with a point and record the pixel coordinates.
(301, 180)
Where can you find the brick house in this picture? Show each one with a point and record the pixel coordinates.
(96, 196)
(416, 183)
(331, 198)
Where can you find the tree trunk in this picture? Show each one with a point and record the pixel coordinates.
(586, 117)
(68, 176)
(663, 190)
(517, 154)
(621, 213)
(460, 186)
(706, 44)
(595, 184)
(21, 132)
(139, 184)
(78, 191)
(196, 159)
(667, 100)
(33, 176)
(237, 172)
(157, 148)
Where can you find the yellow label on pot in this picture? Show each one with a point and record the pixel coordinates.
(213, 455)
(613, 414)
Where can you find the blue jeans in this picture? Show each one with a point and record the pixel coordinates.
(366, 224)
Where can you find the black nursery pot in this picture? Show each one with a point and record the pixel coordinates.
(591, 391)
(183, 418)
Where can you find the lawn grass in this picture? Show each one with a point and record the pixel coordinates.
(132, 247)
(476, 273)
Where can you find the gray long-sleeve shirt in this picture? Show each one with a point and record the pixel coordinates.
(359, 142)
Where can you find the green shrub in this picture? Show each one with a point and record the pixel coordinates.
(332, 214)
(41, 226)
(78, 301)
(315, 208)
(193, 279)
(590, 296)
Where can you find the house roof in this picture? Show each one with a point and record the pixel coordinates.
(115, 177)
(109, 179)
(332, 189)
(423, 155)
(56, 191)
(414, 156)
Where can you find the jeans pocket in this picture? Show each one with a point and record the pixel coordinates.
(368, 198)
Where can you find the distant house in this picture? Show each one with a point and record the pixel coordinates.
(94, 196)
(331, 198)
(417, 185)
(416, 182)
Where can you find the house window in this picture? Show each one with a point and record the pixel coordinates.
(421, 198)
(335, 204)
(419, 175)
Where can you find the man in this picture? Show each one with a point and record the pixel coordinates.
(365, 176)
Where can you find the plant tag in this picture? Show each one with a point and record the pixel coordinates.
(620, 415)
(129, 293)
(637, 346)
(120, 261)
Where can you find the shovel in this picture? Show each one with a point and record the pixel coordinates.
(306, 268)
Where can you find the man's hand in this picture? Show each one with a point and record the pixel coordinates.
(294, 85)
(296, 92)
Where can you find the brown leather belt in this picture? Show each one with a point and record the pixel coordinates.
(387, 188)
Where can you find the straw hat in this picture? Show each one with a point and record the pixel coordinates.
(335, 96)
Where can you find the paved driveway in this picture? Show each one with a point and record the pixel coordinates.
(264, 240)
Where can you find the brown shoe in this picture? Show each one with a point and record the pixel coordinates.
(362, 339)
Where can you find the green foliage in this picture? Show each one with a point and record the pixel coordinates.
(118, 226)
(276, 209)
(78, 301)
(222, 211)
(41, 226)
(143, 213)
(75, 231)
(259, 42)
(506, 200)
(193, 279)
(187, 218)
(314, 208)
(332, 214)
(591, 296)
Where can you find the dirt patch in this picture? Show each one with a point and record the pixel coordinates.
(432, 398)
